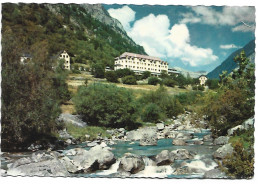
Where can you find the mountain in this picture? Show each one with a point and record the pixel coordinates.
(86, 31)
(229, 64)
(192, 74)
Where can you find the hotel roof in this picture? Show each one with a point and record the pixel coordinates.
(139, 56)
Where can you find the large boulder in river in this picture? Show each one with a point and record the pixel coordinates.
(223, 151)
(97, 158)
(134, 135)
(147, 136)
(40, 164)
(181, 154)
(164, 158)
(148, 140)
(131, 163)
(179, 142)
(221, 140)
(71, 168)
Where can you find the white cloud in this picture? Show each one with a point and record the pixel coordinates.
(230, 16)
(158, 39)
(173, 43)
(125, 15)
(243, 28)
(229, 46)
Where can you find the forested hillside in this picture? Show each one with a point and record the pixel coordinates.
(71, 27)
(229, 64)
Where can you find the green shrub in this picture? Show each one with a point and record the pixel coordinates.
(195, 87)
(98, 70)
(230, 109)
(239, 164)
(86, 81)
(124, 72)
(106, 105)
(151, 113)
(111, 76)
(31, 96)
(169, 106)
(201, 88)
(153, 80)
(75, 71)
(129, 80)
(146, 74)
(212, 83)
(169, 82)
(189, 97)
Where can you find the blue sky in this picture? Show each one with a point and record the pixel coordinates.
(196, 38)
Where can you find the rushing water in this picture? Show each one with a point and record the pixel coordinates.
(203, 152)
(201, 162)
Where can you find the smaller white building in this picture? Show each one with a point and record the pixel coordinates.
(203, 80)
(25, 58)
(64, 55)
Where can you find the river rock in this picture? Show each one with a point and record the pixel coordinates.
(160, 126)
(181, 154)
(71, 168)
(223, 151)
(207, 138)
(40, 164)
(179, 142)
(164, 158)
(131, 163)
(68, 141)
(221, 140)
(73, 119)
(249, 123)
(64, 134)
(134, 135)
(97, 158)
(213, 174)
(34, 147)
(92, 144)
(148, 140)
(231, 131)
(198, 142)
(183, 136)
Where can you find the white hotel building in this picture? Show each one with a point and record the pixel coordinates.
(140, 63)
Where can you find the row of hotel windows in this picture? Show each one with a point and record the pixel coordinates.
(131, 58)
(142, 68)
(138, 63)
(148, 65)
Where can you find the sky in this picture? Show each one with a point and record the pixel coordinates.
(196, 38)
